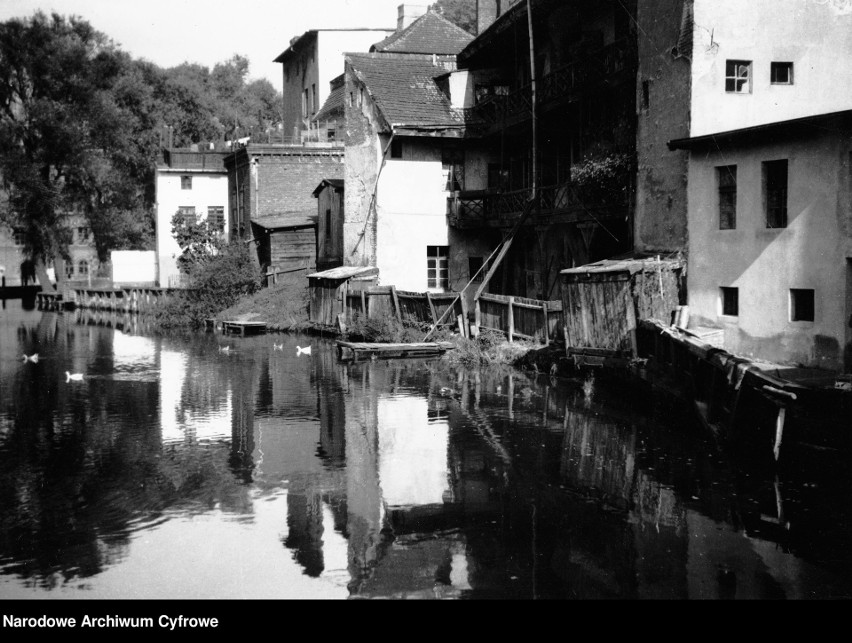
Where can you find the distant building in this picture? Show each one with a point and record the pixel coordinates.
(770, 185)
(271, 184)
(309, 64)
(194, 184)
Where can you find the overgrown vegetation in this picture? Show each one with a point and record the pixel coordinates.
(216, 282)
(603, 180)
(283, 306)
(489, 349)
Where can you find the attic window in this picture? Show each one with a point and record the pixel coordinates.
(396, 149)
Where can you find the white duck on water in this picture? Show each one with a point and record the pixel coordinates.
(303, 350)
(73, 377)
(31, 358)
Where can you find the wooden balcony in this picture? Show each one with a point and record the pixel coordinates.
(557, 203)
(607, 64)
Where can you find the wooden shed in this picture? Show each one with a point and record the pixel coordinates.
(329, 290)
(602, 302)
(285, 243)
(329, 195)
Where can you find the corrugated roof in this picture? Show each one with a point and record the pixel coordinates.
(335, 183)
(346, 272)
(429, 34)
(630, 265)
(405, 90)
(287, 220)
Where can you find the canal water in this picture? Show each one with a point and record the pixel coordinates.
(177, 470)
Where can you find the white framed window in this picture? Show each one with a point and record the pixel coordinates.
(437, 267)
(738, 76)
(83, 267)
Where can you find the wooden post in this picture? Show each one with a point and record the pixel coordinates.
(546, 323)
(779, 431)
(364, 303)
(460, 320)
(432, 309)
(511, 320)
(396, 303)
(465, 316)
(477, 317)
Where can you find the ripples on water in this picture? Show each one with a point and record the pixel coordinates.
(176, 470)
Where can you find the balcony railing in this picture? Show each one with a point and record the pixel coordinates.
(562, 82)
(475, 208)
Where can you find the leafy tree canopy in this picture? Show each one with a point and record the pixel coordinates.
(459, 12)
(81, 124)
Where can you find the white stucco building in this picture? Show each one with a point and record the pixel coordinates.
(194, 183)
(769, 179)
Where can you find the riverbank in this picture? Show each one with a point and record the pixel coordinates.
(285, 307)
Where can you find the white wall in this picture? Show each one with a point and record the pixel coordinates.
(764, 264)
(815, 35)
(412, 214)
(134, 267)
(208, 190)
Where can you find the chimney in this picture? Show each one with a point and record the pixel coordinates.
(487, 11)
(408, 13)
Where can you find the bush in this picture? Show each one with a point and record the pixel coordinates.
(216, 282)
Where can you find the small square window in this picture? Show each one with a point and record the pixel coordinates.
(738, 76)
(186, 183)
(781, 73)
(801, 304)
(730, 301)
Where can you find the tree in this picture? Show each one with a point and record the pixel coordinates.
(70, 140)
(459, 12)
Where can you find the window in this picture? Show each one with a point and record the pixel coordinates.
(781, 73)
(186, 183)
(727, 182)
(396, 149)
(69, 269)
(20, 237)
(305, 99)
(83, 267)
(775, 193)
(474, 264)
(646, 94)
(437, 267)
(737, 76)
(313, 99)
(801, 304)
(730, 301)
(82, 234)
(216, 217)
(187, 213)
(452, 162)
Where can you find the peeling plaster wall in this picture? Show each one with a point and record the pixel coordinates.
(815, 35)
(764, 264)
(664, 79)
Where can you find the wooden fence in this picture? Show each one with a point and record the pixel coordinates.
(519, 317)
(387, 301)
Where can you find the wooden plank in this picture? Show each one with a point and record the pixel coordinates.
(511, 320)
(396, 302)
(432, 308)
(545, 325)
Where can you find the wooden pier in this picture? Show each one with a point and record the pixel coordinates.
(360, 350)
(243, 328)
(49, 300)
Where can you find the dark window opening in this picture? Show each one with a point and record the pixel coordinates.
(775, 193)
(396, 149)
(727, 182)
(801, 304)
(730, 301)
(452, 162)
(328, 224)
(186, 183)
(781, 73)
(646, 94)
(475, 272)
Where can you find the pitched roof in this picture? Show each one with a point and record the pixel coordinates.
(287, 220)
(429, 34)
(332, 108)
(404, 89)
(335, 183)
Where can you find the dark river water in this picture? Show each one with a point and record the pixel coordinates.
(175, 470)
